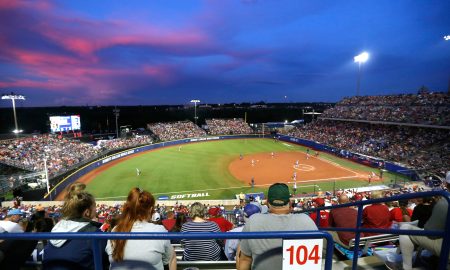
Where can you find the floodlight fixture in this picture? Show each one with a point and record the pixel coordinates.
(13, 98)
(195, 101)
(447, 37)
(361, 58)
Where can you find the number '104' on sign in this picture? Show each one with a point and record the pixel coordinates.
(302, 254)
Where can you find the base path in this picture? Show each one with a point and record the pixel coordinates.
(266, 169)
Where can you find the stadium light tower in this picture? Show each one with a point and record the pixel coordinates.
(13, 98)
(116, 114)
(360, 59)
(195, 101)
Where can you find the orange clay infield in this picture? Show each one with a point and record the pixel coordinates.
(266, 169)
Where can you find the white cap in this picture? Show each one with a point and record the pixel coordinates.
(156, 217)
(447, 177)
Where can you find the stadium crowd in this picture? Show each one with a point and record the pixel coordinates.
(425, 108)
(61, 153)
(176, 130)
(80, 213)
(123, 143)
(228, 126)
(421, 148)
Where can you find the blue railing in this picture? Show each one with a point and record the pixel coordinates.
(96, 237)
(443, 258)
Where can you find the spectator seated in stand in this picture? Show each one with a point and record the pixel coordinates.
(324, 215)
(201, 250)
(215, 215)
(376, 216)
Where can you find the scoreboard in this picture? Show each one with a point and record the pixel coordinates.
(65, 123)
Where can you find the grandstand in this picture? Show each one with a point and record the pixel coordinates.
(228, 127)
(416, 140)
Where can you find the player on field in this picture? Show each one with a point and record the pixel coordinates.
(138, 172)
(297, 163)
(272, 154)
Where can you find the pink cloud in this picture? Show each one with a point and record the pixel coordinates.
(78, 69)
(26, 83)
(92, 40)
(15, 4)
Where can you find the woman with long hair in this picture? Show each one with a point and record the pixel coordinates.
(140, 254)
(78, 213)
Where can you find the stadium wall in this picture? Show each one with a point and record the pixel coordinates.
(362, 159)
(100, 162)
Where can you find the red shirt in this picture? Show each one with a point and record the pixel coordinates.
(169, 223)
(223, 224)
(344, 217)
(324, 216)
(397, 215)
(376, 216)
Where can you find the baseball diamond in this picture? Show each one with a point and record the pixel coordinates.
(215, 169)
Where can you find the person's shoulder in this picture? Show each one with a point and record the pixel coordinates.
(155, 227)
(302, 216)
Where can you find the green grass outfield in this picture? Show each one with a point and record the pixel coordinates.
(202, 168)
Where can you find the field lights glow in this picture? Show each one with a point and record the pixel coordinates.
(361, 58)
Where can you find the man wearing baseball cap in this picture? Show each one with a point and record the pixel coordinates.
(267, 253)
(10, 223)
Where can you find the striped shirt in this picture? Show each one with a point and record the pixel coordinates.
(200, 250)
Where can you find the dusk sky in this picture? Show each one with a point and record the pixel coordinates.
(169, 52)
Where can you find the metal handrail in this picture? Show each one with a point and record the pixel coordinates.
(445, 248)
(96, 236)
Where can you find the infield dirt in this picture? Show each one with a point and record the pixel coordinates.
(266, 169)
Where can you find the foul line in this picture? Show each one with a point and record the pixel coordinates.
(337, 165)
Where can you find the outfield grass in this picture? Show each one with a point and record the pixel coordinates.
(199, 168)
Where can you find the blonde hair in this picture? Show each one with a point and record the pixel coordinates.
(74, 188)
(377, 194)
(197, 210)
(76, 202)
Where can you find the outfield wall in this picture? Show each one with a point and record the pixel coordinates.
(100, 162)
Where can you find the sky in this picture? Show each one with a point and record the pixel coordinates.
(156, 52)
